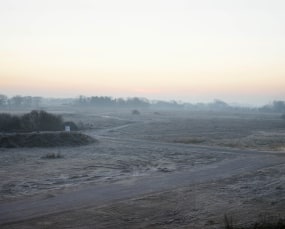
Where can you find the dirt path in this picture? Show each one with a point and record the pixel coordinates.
(243, 162)
(108, 193)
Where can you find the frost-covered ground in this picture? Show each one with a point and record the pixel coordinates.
(139, 148)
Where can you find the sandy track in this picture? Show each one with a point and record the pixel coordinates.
(108, 193)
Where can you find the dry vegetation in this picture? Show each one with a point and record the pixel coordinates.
(252, 131)
(134, 148)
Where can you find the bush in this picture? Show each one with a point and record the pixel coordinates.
(41, 120)
(52, 156)
(135, 112)
(33, 121)
(9, 122)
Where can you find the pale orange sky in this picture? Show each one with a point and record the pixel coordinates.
(172, 49)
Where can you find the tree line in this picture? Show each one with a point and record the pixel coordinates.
(36, 102)
(20, 101)
(275, 106)
(106, 101)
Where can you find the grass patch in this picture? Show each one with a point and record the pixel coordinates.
(265, 223)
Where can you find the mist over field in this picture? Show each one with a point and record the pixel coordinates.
(142, 114)
(138, 163)
(28, 102)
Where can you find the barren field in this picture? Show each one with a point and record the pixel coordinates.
(159, 169)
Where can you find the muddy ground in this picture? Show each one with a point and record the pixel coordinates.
(134, 150)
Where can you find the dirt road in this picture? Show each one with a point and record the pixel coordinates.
(136, 186)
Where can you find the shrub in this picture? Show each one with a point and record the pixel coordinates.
(135, 112)
(33, 121)
(9, 122)
(52, 156)
(41, 120)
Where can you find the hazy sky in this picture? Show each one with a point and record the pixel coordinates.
(186, 50)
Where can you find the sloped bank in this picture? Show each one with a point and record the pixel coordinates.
(51, 139)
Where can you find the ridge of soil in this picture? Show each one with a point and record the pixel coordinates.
(51, 139)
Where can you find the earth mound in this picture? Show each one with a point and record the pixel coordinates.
(53, 139)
